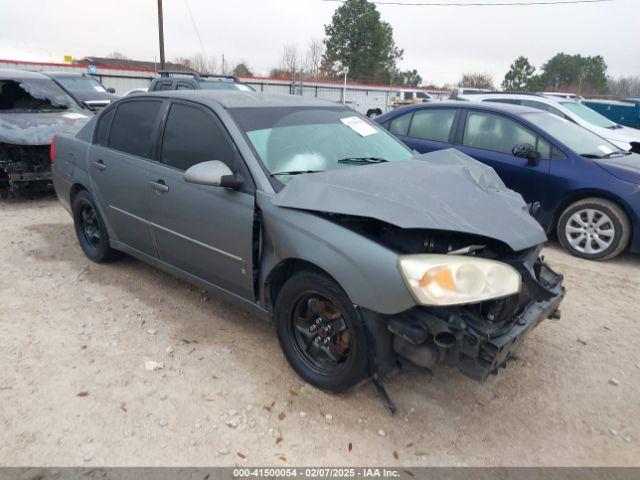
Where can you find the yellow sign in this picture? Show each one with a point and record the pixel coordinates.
(68, 58)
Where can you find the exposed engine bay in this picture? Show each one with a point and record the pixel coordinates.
(24, 167)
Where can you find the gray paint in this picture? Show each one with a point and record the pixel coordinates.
(204, 234)
(366, 270)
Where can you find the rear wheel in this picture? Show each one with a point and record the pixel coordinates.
(90, 229)
(594, 228)
(373, 113)
(320, 332)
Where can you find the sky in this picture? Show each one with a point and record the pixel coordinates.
(440, 42)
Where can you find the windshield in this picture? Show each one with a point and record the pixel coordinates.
(588, 115)
(577, 138)
(33, 95)
(292, 140)
(222, 85)
(81, 84)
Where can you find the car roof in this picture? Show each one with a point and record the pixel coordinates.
(488, 106)
(521, 96)
(241, 98)
(14, 74)
(66, 74)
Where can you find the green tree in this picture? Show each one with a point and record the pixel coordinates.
(575, 72)
(358, 39)
(242, 69)
(519, 77)
(410, 78)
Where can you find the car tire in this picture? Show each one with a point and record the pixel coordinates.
(90, 229)
(594, 228)
(374, 113)
(335, 360)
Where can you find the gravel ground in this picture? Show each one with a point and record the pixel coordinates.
(78, 338)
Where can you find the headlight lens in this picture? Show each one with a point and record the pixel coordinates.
(453, 279)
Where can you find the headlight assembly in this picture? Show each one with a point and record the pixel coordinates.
(441, 280)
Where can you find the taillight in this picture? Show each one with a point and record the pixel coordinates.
(52, 150)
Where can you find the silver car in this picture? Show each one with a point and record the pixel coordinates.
(363, 254)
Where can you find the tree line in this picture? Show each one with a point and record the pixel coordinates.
(360, 44)
(357, 42)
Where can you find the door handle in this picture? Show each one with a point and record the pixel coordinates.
(99, 165)
(159, 186)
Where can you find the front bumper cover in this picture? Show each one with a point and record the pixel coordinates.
(477, 346)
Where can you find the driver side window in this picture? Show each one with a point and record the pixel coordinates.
(191, 136)
(496, 133)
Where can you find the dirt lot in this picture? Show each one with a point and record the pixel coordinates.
(74, 389)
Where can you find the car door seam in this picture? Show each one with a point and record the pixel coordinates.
(193, 240)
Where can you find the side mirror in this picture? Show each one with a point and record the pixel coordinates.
(213, 173)
(111, 90)
(528, 151)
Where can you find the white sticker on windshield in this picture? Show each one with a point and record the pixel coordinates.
(359, 126)
(99, 88)
(604, 149)
(74, 116)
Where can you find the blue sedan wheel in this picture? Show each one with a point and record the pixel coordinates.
(594, 228)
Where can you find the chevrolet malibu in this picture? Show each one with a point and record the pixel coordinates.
(363, 255)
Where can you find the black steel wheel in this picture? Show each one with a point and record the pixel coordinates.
(320, 332)
(90, 229)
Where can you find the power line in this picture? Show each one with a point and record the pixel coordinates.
(477, 4)
(195, 27)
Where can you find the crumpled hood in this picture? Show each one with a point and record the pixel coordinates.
(625, 168)
(443, 190)
(38, 128)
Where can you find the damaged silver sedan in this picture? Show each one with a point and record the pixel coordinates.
(365, 255)
(33, 108)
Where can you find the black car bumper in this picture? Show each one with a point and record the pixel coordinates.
(493, 352)
(477, 339)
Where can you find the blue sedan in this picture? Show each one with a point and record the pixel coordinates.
(588, 190)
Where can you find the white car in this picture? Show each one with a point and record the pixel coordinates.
(622, 137)
(566, 96)
(135, 90)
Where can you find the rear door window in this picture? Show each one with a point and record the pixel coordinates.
(192, 136)
(104, 124)
(133, 127)
(185, 86)
(400, 125)
(432, 124)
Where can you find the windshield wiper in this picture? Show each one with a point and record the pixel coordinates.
(296, 172)
(614, 127)
(617, 152)
(362, 160)
(606, 155)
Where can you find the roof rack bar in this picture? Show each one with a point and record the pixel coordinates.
(170, 73)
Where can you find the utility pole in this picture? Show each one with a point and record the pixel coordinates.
(161, 34)
(344, 88)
